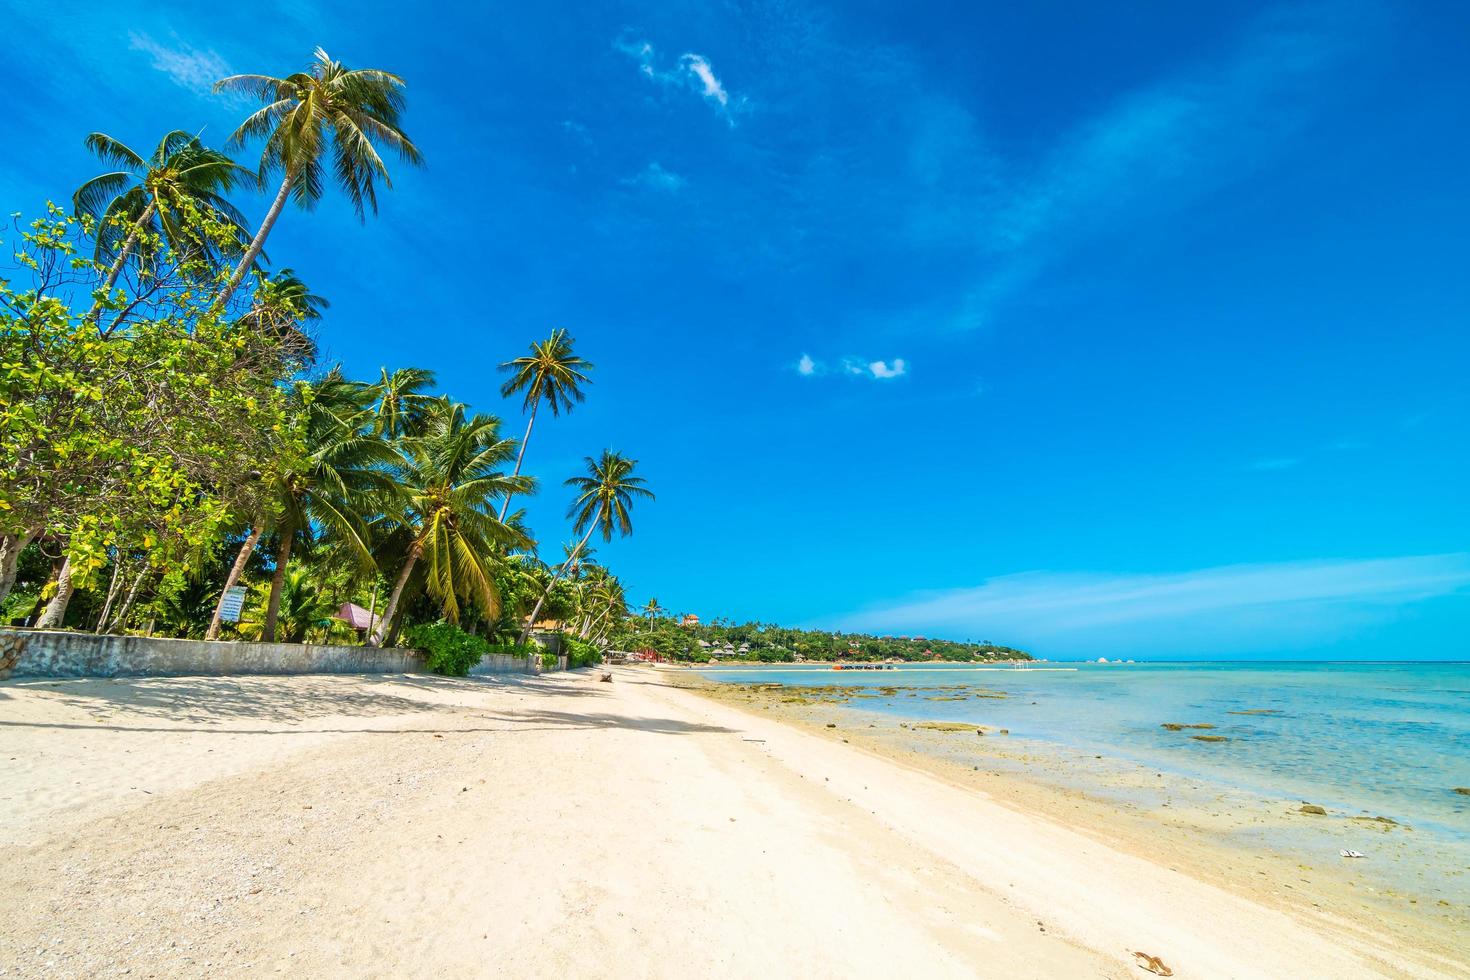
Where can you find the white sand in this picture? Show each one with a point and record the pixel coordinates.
(411, 826)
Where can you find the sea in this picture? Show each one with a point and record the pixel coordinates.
(1361, 740)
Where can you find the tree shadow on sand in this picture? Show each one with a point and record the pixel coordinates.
(264, 699)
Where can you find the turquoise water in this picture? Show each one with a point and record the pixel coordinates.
(1370, 739)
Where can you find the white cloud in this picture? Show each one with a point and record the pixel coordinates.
(883, 370)
(654, 176)
(1233, 607)
(691, 71)
(856, 367)
(701, 68)
(189, 67)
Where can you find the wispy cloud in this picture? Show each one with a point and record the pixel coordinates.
(1160, 147)
(1259, 606)
(192, 68)
(711, 86)
(856, 367)
(691, 71)
(655, 177)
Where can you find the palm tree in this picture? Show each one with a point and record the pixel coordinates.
(155, 197)
(303, 605)
(401, 400)
(449, 483)
(551, 373)
(334, 484)
(604, 501)
(329, 109)
(652, 610)
(581, 559)
(281, 308)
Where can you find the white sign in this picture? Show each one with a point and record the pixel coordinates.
(234, 600)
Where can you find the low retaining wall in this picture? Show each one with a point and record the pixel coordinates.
(38, 653)
(504, 663)
(59, 653)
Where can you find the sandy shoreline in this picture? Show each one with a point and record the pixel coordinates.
(1211, 833)
(407, 826)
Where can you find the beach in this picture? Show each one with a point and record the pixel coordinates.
(411, 825)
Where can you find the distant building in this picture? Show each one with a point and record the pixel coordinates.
(689, 619)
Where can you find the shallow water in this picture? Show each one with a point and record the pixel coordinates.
(1359, 739)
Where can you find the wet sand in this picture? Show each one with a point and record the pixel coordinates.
(1232, 839)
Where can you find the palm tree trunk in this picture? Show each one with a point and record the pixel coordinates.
(256, 244)
(236, 570)
(520, 456)
(278, 582)
(11, 545)
(55, 612)
(531, 621)
(122, 257)
(391, 609)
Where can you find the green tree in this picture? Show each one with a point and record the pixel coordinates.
(143, 199)
(551, 373)
(133, 441)
(336, 482)
(402, 400)
(282, 308)
(448, 484)
(303, 605)
(326, 114)
(604, 503)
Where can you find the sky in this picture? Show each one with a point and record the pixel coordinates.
(1125, 329)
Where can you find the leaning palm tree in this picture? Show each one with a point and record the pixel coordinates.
(448, 485)
(603, 503)
(155, 198)
(328, 110)
(551, 373)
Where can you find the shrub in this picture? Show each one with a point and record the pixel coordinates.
(580, 653)
(447, 649)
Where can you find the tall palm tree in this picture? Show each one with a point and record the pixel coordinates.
(604, 503)
(335, 483)
(155, 197)
(551, 373)
(327, 110)
(652, 610)
(449, 482)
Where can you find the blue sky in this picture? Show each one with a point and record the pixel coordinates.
(1100, 329)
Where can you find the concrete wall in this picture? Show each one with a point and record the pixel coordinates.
(43, 653)
(504, 663)
(63, 654)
